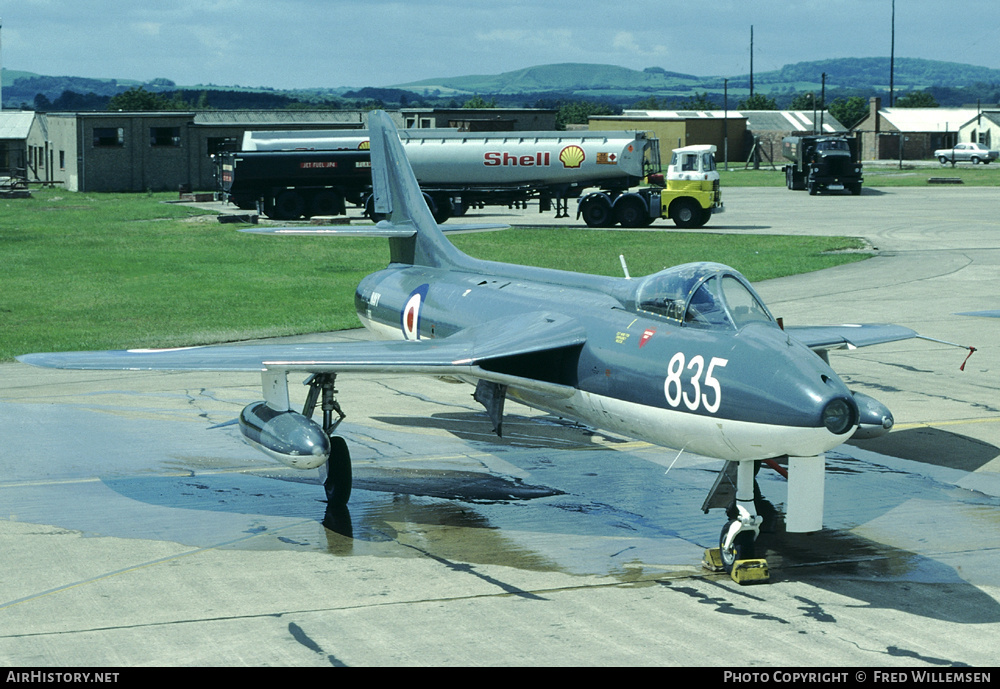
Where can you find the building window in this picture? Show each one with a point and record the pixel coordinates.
(109, 137)
(62, 160)
(165, 136)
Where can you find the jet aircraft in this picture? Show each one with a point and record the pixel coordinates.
(688, 358)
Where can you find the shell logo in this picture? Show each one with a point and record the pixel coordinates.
(572, 156)
(364, 146)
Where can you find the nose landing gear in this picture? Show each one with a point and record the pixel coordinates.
(735, 554)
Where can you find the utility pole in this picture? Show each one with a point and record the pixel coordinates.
(751, 59)
(892, 55)
(725, 122)
(822, 102)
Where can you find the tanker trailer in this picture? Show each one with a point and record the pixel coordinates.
(461, 170)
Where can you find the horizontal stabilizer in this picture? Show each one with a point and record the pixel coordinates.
(383, 229)
(473, 227)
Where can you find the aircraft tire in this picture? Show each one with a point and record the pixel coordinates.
(742, 549)
(338, 479)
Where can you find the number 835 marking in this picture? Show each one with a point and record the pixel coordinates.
(674, 390)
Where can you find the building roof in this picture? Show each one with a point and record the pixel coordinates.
(233, 117)
(15, 125)
(252, 117)
(928, 119)
(680, 114)
(757, 120)
(991, 116)
(791, 121)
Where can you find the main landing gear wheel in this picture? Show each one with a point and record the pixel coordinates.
(741, 549)
(338, 477)
(338, 468)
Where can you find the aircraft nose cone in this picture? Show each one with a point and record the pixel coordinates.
(795, 387)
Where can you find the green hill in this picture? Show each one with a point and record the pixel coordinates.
(583, 80)
(950, 83)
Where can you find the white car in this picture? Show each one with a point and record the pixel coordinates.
(973, 153)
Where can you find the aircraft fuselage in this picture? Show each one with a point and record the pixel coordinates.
(751, 393)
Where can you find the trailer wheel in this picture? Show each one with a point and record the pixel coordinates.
(370, 210)
(631, 212)
(686, 213)
(289, 205)
(440, 207)
(326, 203)
(596, 212)
(243, 202)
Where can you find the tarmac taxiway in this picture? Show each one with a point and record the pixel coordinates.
(133, 534)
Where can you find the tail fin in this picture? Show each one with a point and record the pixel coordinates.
(398, 197)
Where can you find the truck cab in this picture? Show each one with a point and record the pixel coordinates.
(692, 193)
(689, 195)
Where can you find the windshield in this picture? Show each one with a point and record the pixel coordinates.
(707, 295)
(832, 145)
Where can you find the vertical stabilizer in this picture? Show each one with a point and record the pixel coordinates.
(397, 196)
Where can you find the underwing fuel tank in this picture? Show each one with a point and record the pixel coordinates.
(287, 436)
(875, 419)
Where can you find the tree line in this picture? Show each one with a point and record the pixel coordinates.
(848, 110)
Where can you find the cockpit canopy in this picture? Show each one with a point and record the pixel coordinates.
(705, 295)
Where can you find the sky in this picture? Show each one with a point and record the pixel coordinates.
(287, 44)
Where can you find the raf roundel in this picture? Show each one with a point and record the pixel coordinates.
(411, 313)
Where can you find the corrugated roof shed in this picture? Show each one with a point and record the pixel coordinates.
(254, 117)
(757, 120)
(15, 125)
(790, 121)
(928, 119)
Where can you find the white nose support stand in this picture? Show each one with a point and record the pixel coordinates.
(806, 477)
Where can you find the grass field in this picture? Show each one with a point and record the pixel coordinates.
(105, 271)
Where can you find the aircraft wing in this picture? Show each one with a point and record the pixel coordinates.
(848, 336)
(477, 351)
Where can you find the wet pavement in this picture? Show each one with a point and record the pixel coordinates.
(133, 533)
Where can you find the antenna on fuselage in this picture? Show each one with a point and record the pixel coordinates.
(621, 257)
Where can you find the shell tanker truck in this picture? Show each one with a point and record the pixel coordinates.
(294, 174)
